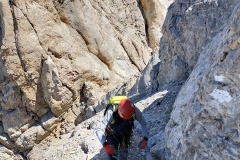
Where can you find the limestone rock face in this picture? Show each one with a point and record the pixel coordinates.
(155, 12)
(59, 57)
(200, 52)
(190, 29)
(205, 121)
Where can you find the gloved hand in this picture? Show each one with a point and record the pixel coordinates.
(108, 148)
(143, 143)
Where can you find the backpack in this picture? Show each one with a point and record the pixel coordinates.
(113, 103)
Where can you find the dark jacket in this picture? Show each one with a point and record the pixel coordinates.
(101, 127)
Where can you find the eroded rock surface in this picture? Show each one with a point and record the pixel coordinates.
(58, 58)
(82, 54)
(200, 52)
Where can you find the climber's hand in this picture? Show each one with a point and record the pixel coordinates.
(143, 143)
(108, 148)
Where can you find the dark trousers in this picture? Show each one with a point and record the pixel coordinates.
(119, 142)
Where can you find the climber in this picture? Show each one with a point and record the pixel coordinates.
(115, 130)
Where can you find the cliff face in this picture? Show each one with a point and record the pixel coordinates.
(199, 52)
(55, 65)
(205, 121)
(59, 57)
